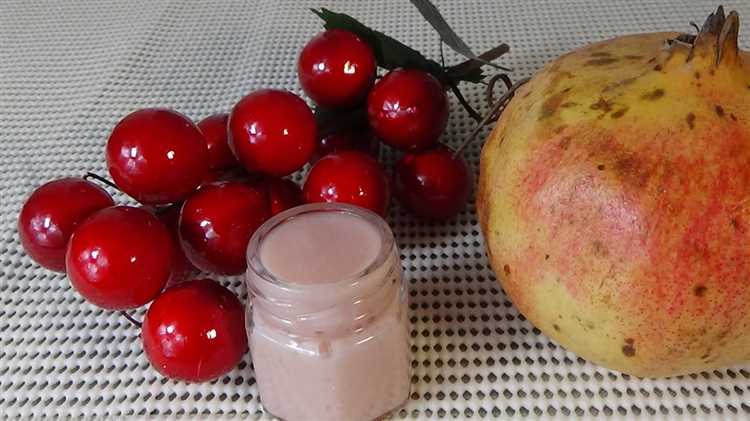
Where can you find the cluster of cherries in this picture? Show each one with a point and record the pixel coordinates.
(204, 189)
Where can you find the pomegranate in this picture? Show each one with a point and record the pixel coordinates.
(614, 198)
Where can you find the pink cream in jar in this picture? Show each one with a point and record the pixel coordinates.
(327, 315)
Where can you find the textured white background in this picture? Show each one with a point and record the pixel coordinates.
(70, 70)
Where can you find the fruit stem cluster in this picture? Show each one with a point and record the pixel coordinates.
(495, 110)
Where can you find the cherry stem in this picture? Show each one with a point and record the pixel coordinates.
(491, 87)
(442, 57)
(130, 318)
(99, 178)
(494, 114)
(472, 112)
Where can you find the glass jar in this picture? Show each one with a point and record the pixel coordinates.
(327, 315)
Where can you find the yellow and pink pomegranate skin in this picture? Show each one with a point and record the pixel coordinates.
(614, 198)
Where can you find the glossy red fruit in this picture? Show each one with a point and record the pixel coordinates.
(215, 132)
(216, 223)
(348, 177)
(347, 139)
(336, 68)
(433, 184)
(120, 257)
(272, 132)
(282, 194)
(51, 214)
(157, 156)
(195, 331)
(408, 109)
(181, 266)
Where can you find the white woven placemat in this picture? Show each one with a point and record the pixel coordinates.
(70, 70)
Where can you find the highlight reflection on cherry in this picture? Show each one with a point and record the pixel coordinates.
(120, 258)
(51, 214)
(216, 223)
(157, 156)
(195, 331)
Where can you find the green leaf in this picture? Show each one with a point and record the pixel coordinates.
(447, 34)
(438, 22)
(473, 67)
(389, 52)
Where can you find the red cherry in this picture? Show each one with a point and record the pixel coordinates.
(357, 139)
(51, 214)
(272, 132)
(181, 266)
(433, 184)
(216, 223)
(336, 68)
(120, 257)
(157, 156)
(195, 331)
(408, 109)
(282, 193)
(214, 129)
(349, 177)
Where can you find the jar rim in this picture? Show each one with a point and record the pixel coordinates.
(255, 264)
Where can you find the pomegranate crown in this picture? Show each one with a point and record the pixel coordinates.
(716, 39)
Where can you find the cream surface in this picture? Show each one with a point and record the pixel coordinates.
(320, 247)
